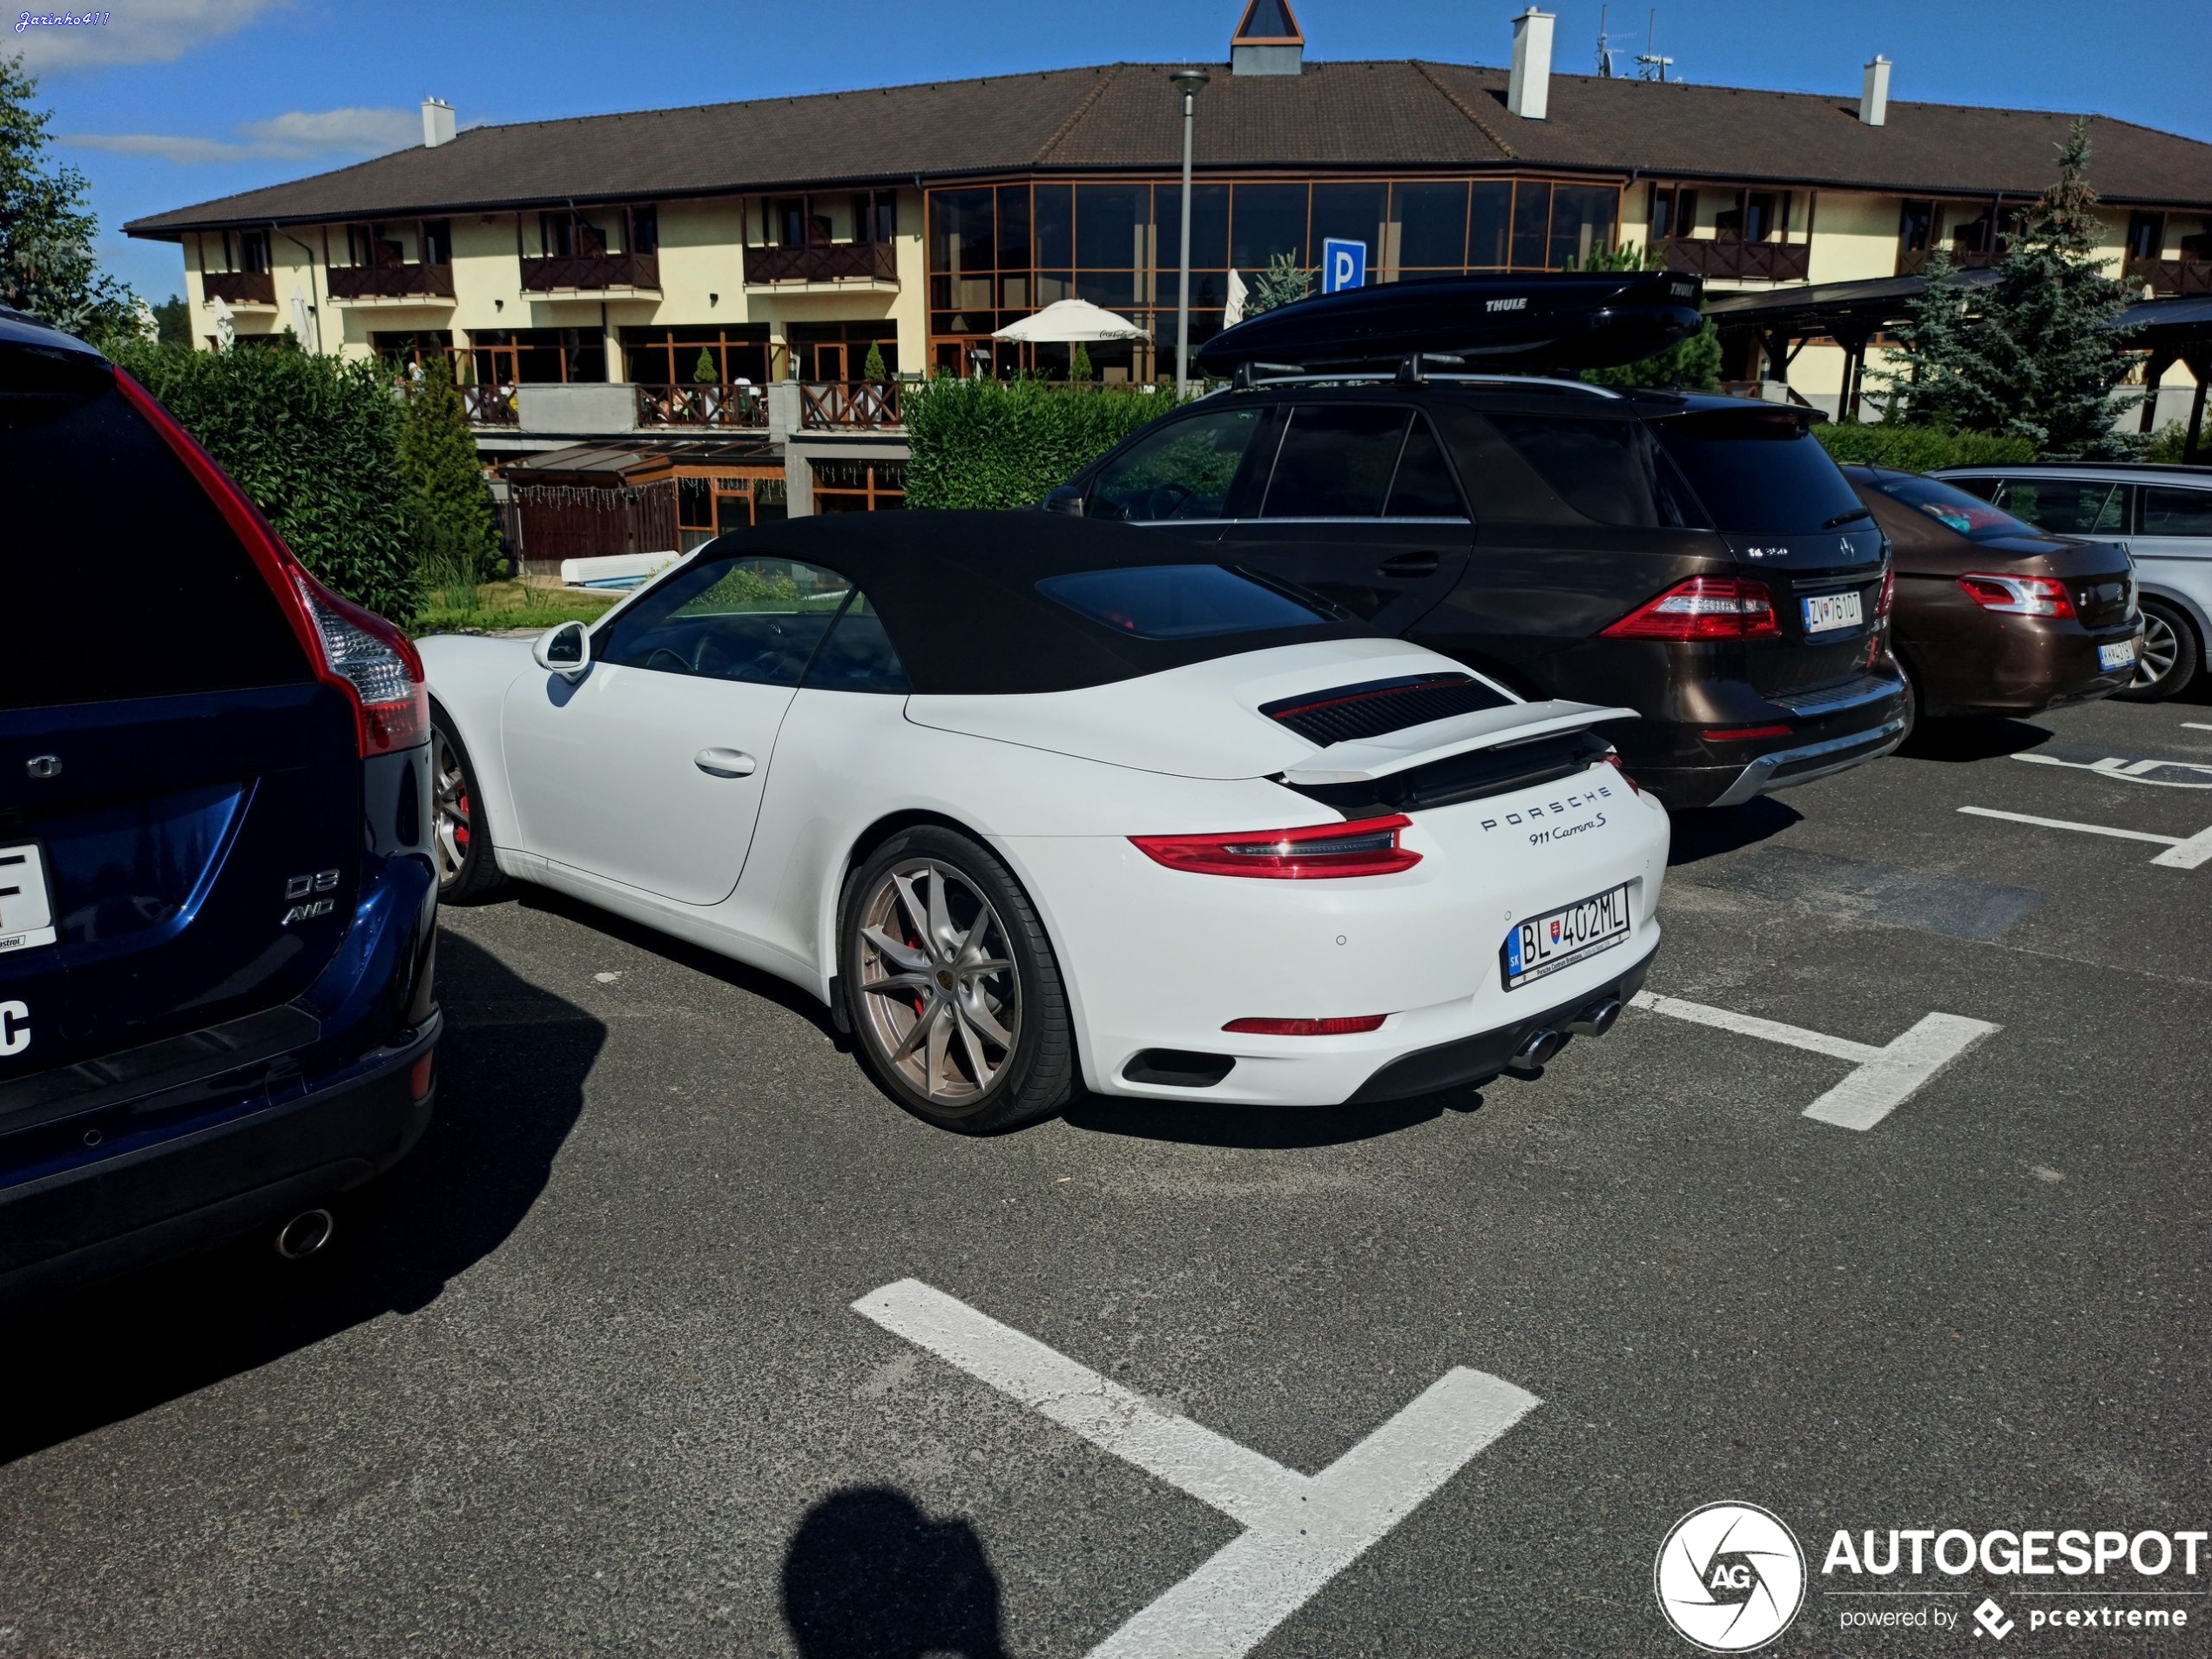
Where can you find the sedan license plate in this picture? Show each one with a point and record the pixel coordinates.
(1825, 611)
(2116, 656)
(26, 905)
(1546, 943)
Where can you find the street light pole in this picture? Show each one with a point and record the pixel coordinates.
(1187, 81)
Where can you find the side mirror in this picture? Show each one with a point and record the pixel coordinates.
(1066, 499)
(565, 651)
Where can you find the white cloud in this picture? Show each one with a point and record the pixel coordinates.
(299, 135)
(133, 32)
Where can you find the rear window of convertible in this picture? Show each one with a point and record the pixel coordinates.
(1178, 601)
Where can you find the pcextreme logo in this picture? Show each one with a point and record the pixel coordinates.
(1730, 1577)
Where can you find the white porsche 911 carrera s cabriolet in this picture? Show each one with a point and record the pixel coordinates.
(1034, 803)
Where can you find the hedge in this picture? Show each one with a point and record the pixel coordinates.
(999, 444)
(1919, 448)
(315, 442)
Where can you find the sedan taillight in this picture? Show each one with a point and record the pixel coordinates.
(2018, 595)
(1369, 847)
(1705, 607)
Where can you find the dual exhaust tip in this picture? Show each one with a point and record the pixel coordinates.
(1540, 1046)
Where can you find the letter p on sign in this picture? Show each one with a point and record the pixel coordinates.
(1343, 264)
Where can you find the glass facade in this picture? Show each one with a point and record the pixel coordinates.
(997, 253)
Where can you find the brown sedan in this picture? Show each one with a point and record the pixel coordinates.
(1993, 615)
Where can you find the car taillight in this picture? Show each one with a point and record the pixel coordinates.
(1705, 607)
(1339, 1026)
(2018, 595)
(1613, 759)
(1888, 594)
(1370, 846)
(367, 658)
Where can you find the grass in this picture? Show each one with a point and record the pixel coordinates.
(457, 609)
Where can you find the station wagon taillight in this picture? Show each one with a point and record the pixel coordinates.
(371, 661)
(1368, 847)
(2018, 595)
(1705, 607)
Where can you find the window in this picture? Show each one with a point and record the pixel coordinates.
(1489, 219)
(1182, 470)
(1607, 470)
(1423, 487)
(2067, 506)
(858, 656)
(1351, 213)
(1178, 601)
(1766, 474)
(1336, 462)
(1432, 225)
(860, 485)
(1969, 514)
(254, 250)
(751, 619)
(1916, 227)
(1266, 220)
(644, 229)
(1582, 218)
(2169, 511)
(1532, 218)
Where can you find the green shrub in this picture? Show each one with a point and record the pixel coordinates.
(313, 441)
(1920, 449)
(993, 444)
(2169, 441)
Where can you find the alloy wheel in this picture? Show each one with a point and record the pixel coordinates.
(2160, 650)
(450, 817)
(940, 996)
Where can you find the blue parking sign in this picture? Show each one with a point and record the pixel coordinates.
(1343, 264)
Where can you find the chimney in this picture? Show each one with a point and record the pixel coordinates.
(437, 123)
(1874, 92)
(1529, 90)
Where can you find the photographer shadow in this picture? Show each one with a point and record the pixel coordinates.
(512, 1069)
(868, 1575)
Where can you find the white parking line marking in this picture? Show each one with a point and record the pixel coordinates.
(2132, 771)
(2196, 726)
(1882, 1079)
(2182, 851)
(1300, 1530)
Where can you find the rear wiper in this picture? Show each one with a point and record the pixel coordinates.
(1845, 518)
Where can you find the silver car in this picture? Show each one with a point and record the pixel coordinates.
(2162, 515)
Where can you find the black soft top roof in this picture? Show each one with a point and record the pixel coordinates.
(957, 592)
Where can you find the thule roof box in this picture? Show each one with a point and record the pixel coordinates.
(1525, 323)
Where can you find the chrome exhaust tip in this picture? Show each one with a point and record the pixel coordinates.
(1536, 1048)
(1597, 1019)
(305, 1234)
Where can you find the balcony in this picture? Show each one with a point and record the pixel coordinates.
(590, 273)
(391, 282)
(1728, 257)
(239, 287)
(480, 405)
(849, 406)
(2172, 279)
(1911, 262)
(866, 262)
(702, 404)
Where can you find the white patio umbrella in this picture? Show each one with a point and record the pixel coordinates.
(1069, 321)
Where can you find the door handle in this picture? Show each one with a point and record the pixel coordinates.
(1410, 565)
(724, 763)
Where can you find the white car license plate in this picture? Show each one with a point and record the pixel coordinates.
(2116, 656)
(1825, 611)
(26, 906)
(1546, 943)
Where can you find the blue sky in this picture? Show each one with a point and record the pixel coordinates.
(176, 101)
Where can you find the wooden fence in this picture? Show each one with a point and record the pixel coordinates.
(557, 522)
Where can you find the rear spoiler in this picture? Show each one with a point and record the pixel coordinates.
(1364, 759)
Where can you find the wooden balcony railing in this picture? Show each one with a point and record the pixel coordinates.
(239, 287)
(823, 262)
(2172, 279)
(590, 273)
(702, 404)
(862, 405)
(391, 282)
(480, 405)
(1748, 261)
(1975, 258)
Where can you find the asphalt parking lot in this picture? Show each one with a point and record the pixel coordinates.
(591, 1379)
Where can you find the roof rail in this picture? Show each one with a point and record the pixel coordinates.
(1414, 371)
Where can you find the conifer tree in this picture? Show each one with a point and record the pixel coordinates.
(456, 527)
